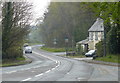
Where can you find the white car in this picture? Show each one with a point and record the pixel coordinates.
(28, 49)
(90, 53)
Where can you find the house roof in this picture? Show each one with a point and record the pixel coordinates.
(97, 26)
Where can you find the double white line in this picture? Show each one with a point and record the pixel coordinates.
(46, 71)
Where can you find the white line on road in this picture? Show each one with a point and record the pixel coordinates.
(52, 68)
(39, 75)
(47, 71)
(44, 56)
(32, 71)
(26, 79)
(50, 59)
(11, 72)
(80, 79)
(56, 61)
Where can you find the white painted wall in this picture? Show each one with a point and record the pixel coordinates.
(92, 41)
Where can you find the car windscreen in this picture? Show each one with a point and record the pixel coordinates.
(91, 51)
(28, 48)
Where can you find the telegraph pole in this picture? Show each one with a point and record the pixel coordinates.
(104, 41)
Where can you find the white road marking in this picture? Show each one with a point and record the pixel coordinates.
(80, 79)
(11, 72)
(56, 61)
(47, 71)
(48, 58)
(27, 68)
(52, 68)
(39, 75)
(32, 71)
(26, 79)
(89, 58)
(56, 66)
(44, 56)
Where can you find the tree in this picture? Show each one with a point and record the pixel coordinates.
(0, 31)
(66, 20)
(109, 12)
(15, 26)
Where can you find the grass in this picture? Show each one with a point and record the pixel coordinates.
(55, 49)
(109, 58)
(34, 43)
(12, 64)
(75, 56)
(8, 62)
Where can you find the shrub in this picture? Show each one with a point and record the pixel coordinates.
(100, 49)
(13, 53)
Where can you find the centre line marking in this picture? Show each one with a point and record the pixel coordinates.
(12, 72)
(39, 75)
(26, 79)
(50, 59)
(53, 68)
(47, 71)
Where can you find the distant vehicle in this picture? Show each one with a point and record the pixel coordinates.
(90, 53)
(25, 45)
(28, 49)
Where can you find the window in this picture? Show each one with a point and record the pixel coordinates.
(91, 35)
(102, 35)
(96, 35)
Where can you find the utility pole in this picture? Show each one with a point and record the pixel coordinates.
(104, 41)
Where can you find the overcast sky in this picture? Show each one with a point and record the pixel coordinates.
(39, 7)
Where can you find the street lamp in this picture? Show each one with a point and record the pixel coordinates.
(66, 43)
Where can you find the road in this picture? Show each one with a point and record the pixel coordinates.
(47, 66)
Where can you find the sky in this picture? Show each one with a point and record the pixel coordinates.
(39, 7)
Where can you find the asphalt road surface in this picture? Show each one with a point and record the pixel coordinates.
(47, 66)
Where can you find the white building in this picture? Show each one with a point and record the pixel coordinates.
(96, 33)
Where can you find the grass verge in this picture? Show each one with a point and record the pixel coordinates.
(109, 58)
(55, 49)
(34, 43)
(18, 61)
(76, 56)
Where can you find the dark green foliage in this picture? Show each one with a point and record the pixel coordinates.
(62, 20)
(12, 53)
(15, 27)
(100, 48)
(109, 12)
(109, 58)
(56, 49)
(112, 44)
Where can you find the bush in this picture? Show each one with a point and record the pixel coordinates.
(112, 41)
(109, 58)
(12, 53)
(56, 49)
(100, 49)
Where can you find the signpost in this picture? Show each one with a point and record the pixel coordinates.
(66, 43)
(55, 42)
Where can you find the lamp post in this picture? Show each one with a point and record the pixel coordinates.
(66, 43)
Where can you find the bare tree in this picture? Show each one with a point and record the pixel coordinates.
(16, 18)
